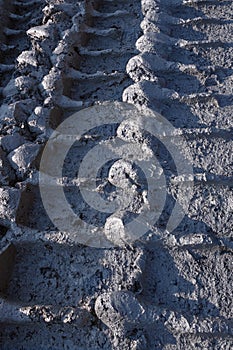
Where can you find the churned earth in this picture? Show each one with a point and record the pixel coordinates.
(168, 289)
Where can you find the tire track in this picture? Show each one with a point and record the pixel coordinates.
(20, 17)
(27, 310)
(178, 74)
(181, 70)
(100, 73)
(177, 66)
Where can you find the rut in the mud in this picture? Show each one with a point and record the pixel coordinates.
(59, 57)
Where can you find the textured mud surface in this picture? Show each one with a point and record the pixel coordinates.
(58, 57)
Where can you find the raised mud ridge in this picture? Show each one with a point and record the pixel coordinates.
(58, 57)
